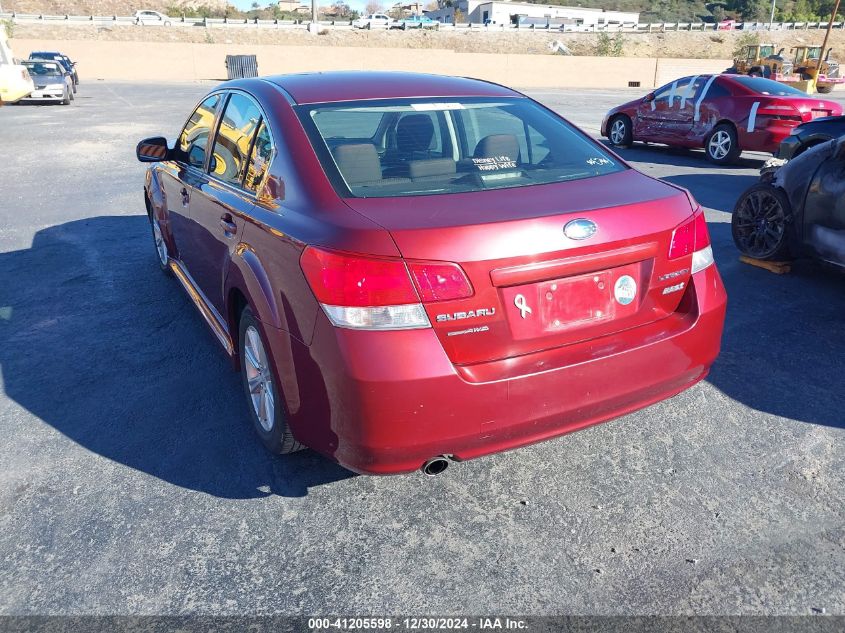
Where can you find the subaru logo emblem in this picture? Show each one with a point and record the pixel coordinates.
(580, 229)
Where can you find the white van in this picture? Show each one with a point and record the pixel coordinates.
(15, 82)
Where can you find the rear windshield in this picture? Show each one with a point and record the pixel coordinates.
(768, 87)
(419, 147)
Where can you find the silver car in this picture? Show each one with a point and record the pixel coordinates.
(52, 82)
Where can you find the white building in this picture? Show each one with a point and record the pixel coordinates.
(508, 12)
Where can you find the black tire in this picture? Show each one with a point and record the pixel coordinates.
(278, 439)
(623, 122)
(72, 98)
(760, 223)
(66, 99)
(824, 89)
(722, 146)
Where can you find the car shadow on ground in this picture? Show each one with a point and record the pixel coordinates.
(782, 348)
(99, 344)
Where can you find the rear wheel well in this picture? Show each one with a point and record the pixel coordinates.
(235, 303)
(724, 122)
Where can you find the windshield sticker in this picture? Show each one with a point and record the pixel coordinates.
(426, 107)
(599, 161)
(494, 163)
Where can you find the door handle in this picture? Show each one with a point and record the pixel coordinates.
(229, 227)
(186, 197)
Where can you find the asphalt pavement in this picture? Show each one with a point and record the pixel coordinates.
(131, 480)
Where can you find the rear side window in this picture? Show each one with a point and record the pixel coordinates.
(233, 142)
(767, 86)
(193, 141)
(427, 147)
(259, 161)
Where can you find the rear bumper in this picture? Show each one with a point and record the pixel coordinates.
(390, 407)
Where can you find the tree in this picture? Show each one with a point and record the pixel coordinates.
(341, 9)
(374, 6)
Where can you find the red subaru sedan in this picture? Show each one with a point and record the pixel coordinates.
(411, 269)
(724, 114)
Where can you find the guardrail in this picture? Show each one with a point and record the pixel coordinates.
(653, 27)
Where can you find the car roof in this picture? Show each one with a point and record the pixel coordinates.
(358, 85)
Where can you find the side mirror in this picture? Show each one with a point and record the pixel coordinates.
(648, 98)
(152, 150)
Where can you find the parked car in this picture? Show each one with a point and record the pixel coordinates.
(52, 82)
(152, 18)
(799, 212)
(410, 269)
(416, 22)
(373, 21)
(15, 82)
(723, 114)
(810, 134)
(64, 60)
(726, 25)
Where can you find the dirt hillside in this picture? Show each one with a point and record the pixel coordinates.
(102, 7)
(680, 45)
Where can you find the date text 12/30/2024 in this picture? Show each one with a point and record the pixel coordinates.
(416, 624)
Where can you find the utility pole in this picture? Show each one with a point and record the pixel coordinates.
(772, 18)
(824, 44)
(313, 28)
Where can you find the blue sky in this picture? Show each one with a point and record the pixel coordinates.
(355, 4)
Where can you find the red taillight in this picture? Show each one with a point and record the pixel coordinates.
(689, 237)
(439, 281)
(683, 240)
(344, 279)
(702, 235)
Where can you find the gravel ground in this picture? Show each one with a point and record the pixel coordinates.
(131, 481)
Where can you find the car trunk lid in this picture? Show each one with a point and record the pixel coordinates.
(534, 287)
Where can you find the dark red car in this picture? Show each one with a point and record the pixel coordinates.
(723, 114)
(411, 268)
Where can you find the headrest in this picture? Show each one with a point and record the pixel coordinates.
(414, 133)
(358, 162)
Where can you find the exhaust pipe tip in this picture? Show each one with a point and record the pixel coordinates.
(435, 466)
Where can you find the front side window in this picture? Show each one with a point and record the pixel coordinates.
(234, 138)
(193, 140)
(448, 146)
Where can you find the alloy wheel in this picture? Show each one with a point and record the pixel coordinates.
(161, 245)
(720, 145)
(760, 224)
(617, 132)
(259, 379)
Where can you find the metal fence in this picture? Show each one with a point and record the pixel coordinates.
(181, 22)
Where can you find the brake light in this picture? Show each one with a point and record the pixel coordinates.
(439, 281)
(377, 293)
(693, 237)
(683, 240)
(345, 279)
